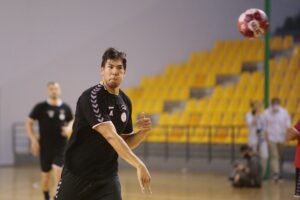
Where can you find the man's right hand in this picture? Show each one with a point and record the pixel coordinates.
(35, 148)
(144, 178)
(143, 123)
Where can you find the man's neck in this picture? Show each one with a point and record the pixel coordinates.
(110, 90)
(54, 102)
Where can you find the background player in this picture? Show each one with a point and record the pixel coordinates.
(51, 115)
(294, 134)
(103, 130)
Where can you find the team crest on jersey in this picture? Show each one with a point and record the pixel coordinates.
(50, 113)
(124, 107)
(62, 115)
(123, 117)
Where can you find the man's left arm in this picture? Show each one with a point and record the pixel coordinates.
(144, 126)
(67, 128)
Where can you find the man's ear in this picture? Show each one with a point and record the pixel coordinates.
(101, 70)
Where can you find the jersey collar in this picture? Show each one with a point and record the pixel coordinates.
(60, 102)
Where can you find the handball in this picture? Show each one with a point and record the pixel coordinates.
(253, 23)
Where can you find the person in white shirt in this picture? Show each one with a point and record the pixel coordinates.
(256, 137)
(277, 121)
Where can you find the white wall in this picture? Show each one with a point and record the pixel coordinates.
(64, 40)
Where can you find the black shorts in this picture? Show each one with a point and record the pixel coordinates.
(72, 187)
(49, 158)
(297, 185)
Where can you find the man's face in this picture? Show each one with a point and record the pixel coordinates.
(275, 106)
(245, 154)
(113, 73)
(54, 91)
(256, 106)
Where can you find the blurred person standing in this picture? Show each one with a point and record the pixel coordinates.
(277, 122)
(257, 136)
(52, 115)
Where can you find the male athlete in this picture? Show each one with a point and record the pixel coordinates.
(103, 130)
(52, 115)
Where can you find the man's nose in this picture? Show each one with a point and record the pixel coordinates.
(115, 71)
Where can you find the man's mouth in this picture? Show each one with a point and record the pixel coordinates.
(114, 78)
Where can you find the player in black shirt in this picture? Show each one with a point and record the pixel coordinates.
(102, 130)
(52, 115)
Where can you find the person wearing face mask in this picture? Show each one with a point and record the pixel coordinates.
(247, 174)
(256, 137)
(277, 121)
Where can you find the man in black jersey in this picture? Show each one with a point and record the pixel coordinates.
(102, 130)
(52, 115)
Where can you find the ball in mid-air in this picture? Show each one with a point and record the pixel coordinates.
(253, 23)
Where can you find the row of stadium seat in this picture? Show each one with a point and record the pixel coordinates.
(220, 135)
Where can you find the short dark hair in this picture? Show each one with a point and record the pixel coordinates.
(253, 103)
(52, 83)
(113, 54)
(275, 100)
(244, 148)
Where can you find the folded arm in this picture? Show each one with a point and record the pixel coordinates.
(144, 125)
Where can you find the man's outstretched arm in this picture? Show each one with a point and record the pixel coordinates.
(108, 131)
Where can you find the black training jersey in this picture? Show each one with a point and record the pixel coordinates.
(51, 119)
(88, 154)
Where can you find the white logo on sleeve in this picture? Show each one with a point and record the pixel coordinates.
(50, 113)
(123, 117)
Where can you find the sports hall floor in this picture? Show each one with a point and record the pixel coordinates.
(21, 183)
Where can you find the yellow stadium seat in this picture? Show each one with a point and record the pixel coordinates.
(276, 43)
(164, 119)
(233, 106)
(184, 119)
(158, 134)
(287, 42)
(194, 119)
(222, 106)
(292, 105)
(296, 117)
(211, 105)
(216, 119)
(205, 119)
(241, 137)
(227, 119)
(190, 105)
(239, 119)
(199, 135)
